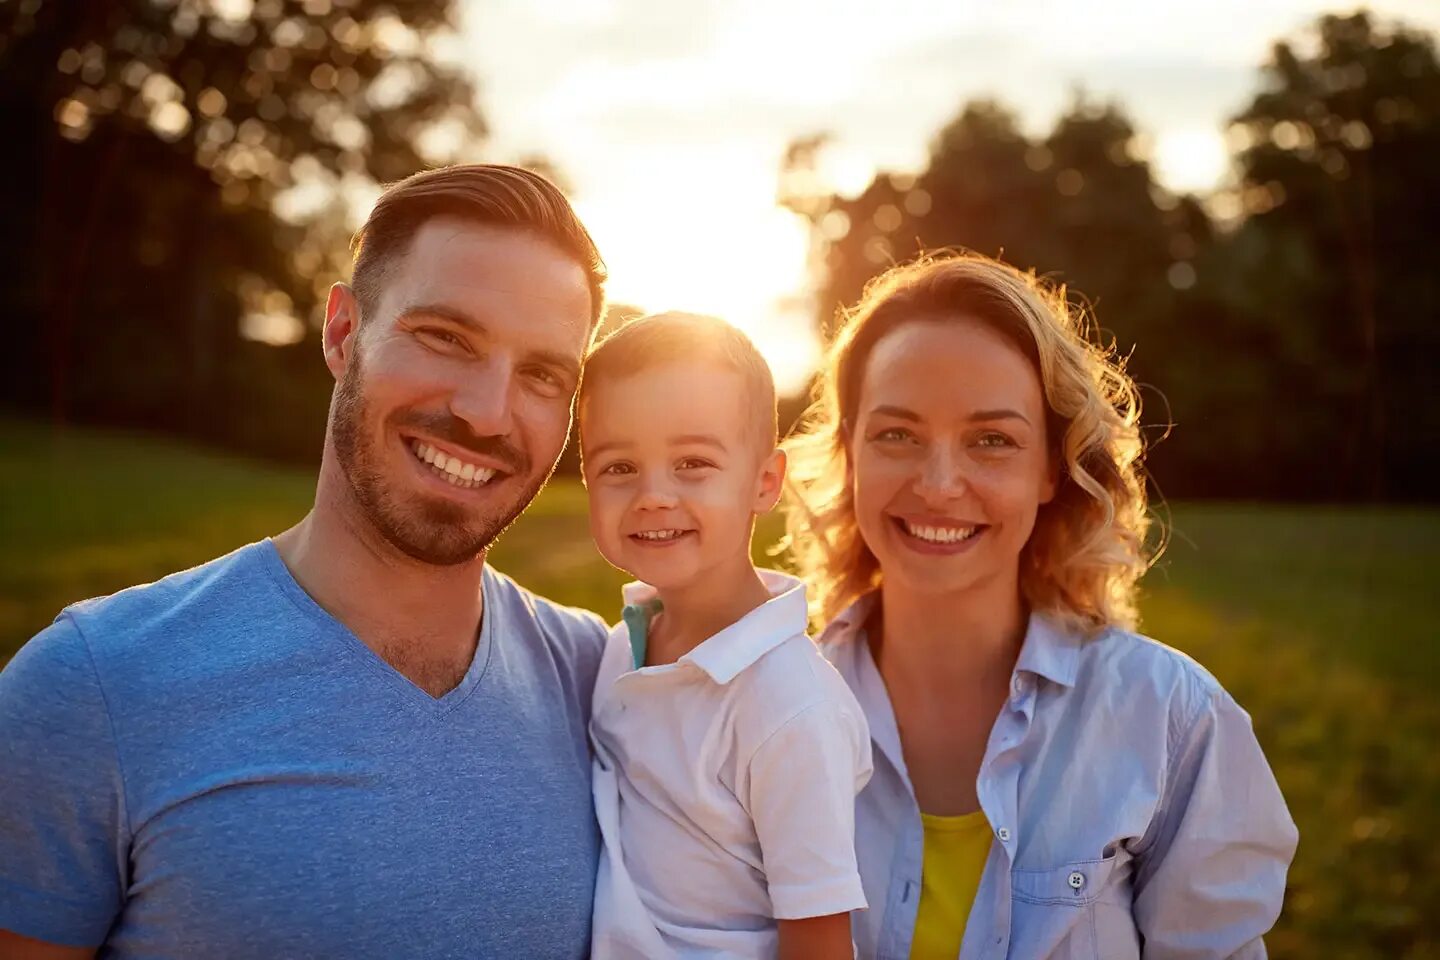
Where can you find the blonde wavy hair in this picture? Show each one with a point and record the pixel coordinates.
(1087, 552)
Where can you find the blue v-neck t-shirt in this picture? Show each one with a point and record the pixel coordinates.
(212, 765)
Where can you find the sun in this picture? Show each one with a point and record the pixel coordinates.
(721, 249)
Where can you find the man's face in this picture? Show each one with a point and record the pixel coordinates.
(454, 397)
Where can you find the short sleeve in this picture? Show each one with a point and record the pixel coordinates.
(801, 797)
(1210, 879)
(62, 833)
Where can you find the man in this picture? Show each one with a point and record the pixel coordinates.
(355, 739)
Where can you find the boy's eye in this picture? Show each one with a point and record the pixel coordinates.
(694, 463)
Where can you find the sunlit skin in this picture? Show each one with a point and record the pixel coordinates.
(949, 440)
(473, 349)
(674, 448)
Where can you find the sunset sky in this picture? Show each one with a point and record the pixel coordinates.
(668, 118)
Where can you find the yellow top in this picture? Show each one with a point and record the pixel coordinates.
(955, 853)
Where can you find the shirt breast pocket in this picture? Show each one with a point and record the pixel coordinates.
(1066, 912)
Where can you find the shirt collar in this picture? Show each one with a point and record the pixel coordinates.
(727, 653)
(1048, 650)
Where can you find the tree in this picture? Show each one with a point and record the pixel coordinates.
(172, 165)
(1336, 257)
(1078, 206)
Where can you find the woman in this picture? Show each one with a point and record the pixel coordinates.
(968, 509)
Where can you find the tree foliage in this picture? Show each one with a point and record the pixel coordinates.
(1291, 344)
(174, 166)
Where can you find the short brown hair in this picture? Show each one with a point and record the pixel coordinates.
(663, 338)
(481, 193)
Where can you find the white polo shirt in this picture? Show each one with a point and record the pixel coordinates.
(724, 787)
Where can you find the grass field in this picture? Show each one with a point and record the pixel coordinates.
(1322, 622)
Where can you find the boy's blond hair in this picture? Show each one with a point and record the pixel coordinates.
(663, 338)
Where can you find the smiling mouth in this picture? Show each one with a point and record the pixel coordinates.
(939, 535)
(669, 535)
(455, 471)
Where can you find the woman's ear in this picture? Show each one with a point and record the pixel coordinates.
(772, 481)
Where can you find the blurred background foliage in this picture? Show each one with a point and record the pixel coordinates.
(183, 176)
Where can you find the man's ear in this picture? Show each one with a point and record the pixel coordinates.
(342, 323)
(772, 481)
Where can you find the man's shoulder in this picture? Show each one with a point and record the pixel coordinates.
(571, 632)
(186, 602)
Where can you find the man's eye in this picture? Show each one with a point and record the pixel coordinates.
(440, 335)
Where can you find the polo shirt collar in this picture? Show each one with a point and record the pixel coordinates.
(727, 653)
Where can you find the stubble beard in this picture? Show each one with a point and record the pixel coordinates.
(431, 531)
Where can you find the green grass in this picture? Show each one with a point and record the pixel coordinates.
(1320, 621)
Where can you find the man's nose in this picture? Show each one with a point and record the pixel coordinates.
(485, 399)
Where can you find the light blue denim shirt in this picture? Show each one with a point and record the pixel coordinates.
(1133, 812)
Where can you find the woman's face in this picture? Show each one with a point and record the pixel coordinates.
(949, 459)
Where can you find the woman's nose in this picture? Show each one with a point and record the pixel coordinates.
(942, 476)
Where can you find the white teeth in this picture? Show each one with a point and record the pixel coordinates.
(659, 534)
(939, 534)
(453, 469)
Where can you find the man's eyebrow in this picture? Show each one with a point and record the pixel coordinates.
(551, 358)
(441, 311)
(560, 361)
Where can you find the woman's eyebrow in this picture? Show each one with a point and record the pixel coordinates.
(1003, 413)
(899, 413)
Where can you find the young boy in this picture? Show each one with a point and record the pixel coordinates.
(728, 751)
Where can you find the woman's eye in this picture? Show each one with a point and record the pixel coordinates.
(617, 470)
(995, 440)
(894, 433)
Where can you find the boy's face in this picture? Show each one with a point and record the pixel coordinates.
(675, 473)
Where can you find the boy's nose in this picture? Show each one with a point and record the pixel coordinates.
(655, 495)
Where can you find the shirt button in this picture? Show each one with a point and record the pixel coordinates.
(1077, 880)
(1017, 686)
(1004, 834)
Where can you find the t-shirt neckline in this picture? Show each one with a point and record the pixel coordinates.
(279, 574)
